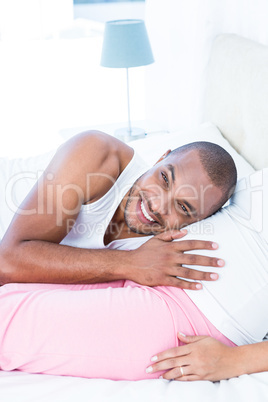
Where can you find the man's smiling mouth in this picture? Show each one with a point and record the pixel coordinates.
(145, 214)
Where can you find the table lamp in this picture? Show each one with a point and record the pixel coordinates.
(126, 44)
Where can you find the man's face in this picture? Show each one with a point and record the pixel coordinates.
(174, 193)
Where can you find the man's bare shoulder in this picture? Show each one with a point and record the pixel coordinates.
(93, 153)
(96, 147)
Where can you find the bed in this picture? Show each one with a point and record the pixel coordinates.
(236, 117)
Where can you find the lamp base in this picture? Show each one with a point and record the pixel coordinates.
(124, 134)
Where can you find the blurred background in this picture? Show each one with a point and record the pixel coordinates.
(52, 84)
(50, 73)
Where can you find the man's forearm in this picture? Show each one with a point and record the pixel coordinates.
(157, 262)
(40, 261)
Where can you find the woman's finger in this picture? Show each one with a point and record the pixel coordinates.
(171, 353)
(177, 373)
(168, 364)
(191, 377)
(190, 338)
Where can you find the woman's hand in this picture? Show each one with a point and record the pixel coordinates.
(201, 358)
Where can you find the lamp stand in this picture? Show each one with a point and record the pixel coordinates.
(128, 104)
(129, 133)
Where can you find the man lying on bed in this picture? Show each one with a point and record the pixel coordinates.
(113, 330)
(86, 199)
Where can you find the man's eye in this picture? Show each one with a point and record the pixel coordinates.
(184, 209)
(165, 179)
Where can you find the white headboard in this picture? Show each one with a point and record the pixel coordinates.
(237, 95)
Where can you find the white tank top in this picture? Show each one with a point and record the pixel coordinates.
(93, 219)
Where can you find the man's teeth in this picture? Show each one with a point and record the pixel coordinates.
(147, 216)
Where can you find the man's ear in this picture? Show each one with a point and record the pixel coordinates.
(163, 156)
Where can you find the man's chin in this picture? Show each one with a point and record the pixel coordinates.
(146, 230)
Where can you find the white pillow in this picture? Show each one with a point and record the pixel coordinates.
(154, 146)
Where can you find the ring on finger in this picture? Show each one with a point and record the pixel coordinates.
(182, 373)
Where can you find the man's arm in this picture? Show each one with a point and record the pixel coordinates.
(30, 250)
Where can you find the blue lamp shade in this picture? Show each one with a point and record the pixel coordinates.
(126, 44)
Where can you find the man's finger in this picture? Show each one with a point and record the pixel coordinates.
(194, 259)
(182, 284)
(182, 277)
(189, 245)
(170, 235)
(194, 274)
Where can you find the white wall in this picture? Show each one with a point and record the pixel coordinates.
(33, 19)
(47, 85)
(181, 32)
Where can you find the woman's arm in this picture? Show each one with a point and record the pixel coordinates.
(205, 358)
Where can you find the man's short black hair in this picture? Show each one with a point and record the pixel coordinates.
(218, 164)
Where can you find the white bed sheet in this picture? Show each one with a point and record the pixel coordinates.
(22, 387)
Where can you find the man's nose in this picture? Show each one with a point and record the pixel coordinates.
(161, 204)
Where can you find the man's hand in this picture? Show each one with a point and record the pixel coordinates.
(159, 261)
(202, 358)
